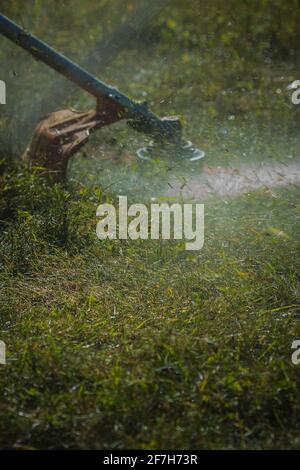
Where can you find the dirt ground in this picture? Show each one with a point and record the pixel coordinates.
(227, 182)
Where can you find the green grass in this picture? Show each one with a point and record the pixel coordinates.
(144, 345)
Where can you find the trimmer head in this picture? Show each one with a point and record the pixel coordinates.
(167, 140)
(166, 129)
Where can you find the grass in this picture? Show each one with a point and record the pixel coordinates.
(121, 345)
(144, 345)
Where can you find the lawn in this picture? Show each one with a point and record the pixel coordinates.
(142, 344)
(114, 344)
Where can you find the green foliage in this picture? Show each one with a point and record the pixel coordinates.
(37, 217)
(141, 344)
(109, 348)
